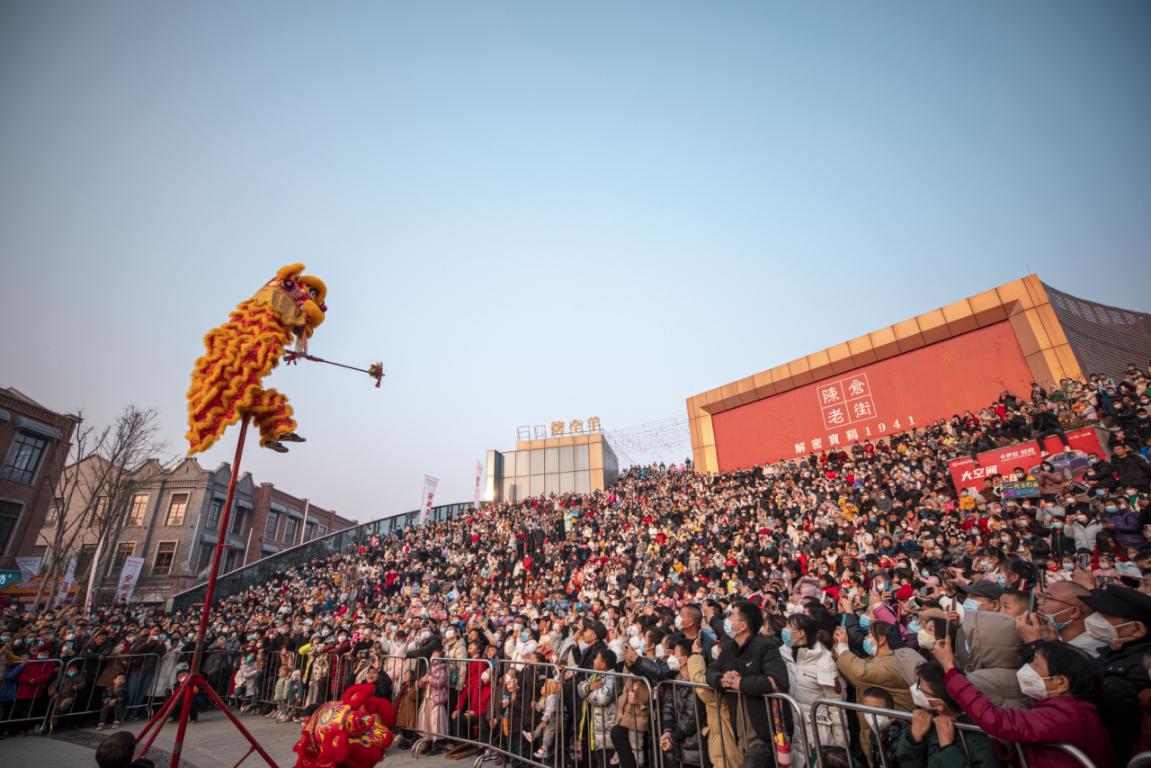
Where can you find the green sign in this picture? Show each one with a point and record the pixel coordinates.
(8, 578)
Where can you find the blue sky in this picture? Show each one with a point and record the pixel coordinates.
(533, 211)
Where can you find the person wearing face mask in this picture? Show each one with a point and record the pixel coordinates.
(877, 668)
(645, 654)
(980, 595)
(931, 739)
(689, 624)
(1121, 623)
(64, 691)
(1060, 610)
(1132, 468)
(886, 731)
(750, 664)
(812, 675)
(1063, 685)
(681, 714)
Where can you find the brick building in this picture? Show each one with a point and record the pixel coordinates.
(34, 443)
(171, 520)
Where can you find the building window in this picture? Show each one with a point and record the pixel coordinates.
(231, 559)
(271, 526)
(9, 515)
(323, 531)
(53, 518)
(290, 529)
(205, 557)
(24, 457)
(214, 509)
(238, 521)
(123, 550)
(84, 560)
(139, 509)
(177, 507)
(165, 554)
(309, 531)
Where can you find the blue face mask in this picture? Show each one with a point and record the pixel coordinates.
(1059, 625)
(971, 604)
(728, 628)
(913, 626)
(864, 622)
(869, 646)
(787, 637)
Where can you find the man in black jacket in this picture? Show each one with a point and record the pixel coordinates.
(1122, 625)
(1045, 423)
(750, 665)
(1132, 468)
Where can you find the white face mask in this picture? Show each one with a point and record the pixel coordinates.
(673, 663)
(879, 723)
(1031, 682)
(921, 699)
(679, 623)
(926, 639)
(1103, 630)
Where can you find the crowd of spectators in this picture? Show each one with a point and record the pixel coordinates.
(857, 574)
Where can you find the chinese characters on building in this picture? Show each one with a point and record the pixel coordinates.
(560, 429)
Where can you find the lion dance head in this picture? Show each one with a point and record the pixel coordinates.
(227, 382)
(351, 733)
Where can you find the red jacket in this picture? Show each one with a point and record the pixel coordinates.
(476, 693)
(33, 678)
(1062, 719)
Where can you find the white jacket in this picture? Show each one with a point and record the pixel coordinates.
(813, 675)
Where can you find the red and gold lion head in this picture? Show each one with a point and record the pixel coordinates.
(351, 733)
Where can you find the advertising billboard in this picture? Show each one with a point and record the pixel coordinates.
(967, 472)
(875, 401)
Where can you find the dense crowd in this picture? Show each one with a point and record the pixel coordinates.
(858, 574)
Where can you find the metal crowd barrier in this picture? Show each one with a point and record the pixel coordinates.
(847, 706)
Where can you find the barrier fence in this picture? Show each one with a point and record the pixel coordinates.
(961, 729)
(537, 714)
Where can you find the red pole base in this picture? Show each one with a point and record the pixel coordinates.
(183, 697)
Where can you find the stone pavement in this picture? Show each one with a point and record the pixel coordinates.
(211, 743)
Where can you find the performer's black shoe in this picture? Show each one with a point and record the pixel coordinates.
(276, 446)
(291, 437)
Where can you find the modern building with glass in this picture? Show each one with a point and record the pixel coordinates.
(579, 463)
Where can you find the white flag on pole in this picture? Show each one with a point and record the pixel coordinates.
(479, 480)
(66, 584)
(129, 575)
(429, 496)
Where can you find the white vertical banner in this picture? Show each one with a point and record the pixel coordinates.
(428, 498)
(66, 584)
(479, 490)
(29, 566)
(129, 575)
(92, 577)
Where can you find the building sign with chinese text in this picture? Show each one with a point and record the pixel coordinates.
(874, 401)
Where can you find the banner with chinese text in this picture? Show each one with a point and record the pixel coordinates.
(129, 575)
(429, 496)
(973, 473)
(874, 401)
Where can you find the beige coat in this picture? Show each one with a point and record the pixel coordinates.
(721, 739)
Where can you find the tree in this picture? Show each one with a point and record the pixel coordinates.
(96, 488)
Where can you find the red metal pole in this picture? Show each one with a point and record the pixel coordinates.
(206, 609)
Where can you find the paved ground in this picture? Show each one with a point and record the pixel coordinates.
(211, 743)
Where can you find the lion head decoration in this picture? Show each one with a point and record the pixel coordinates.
(351, 733)
(227, 381)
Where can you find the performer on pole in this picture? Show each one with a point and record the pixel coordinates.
(227, 379)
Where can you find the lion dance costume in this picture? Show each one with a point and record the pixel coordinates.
(227, 381)
(351, 733)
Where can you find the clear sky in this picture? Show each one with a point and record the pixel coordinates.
(534, 210)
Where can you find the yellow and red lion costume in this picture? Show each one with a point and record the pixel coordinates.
(351, 733)
(227, 380)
